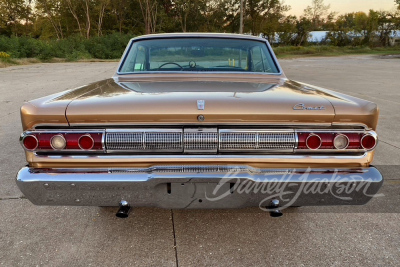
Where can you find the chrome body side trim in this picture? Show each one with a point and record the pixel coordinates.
(196, 187)
(206, 157)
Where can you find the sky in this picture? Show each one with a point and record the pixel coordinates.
(342, 6)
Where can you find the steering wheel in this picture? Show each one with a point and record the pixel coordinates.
(171, 63)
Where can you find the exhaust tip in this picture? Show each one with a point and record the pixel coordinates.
(124, 210)
(276, 214)
(274, 207)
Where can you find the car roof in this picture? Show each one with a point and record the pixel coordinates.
(199, 35)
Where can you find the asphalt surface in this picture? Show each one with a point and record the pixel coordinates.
(308, 236)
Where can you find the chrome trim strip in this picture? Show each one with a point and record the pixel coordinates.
(316, 130)
(139, 130)
(208, 123)
(207, 157)
(103, 142)
(159, 37)
(344, 124)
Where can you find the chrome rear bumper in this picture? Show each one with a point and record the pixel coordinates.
(199, 187)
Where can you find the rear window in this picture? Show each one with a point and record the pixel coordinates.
(198, 55)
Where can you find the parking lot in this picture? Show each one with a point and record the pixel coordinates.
(90, 236)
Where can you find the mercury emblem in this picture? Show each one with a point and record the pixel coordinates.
(200, 104)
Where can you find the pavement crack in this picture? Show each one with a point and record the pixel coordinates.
(10, 198)
(389, 144)
(173, 231)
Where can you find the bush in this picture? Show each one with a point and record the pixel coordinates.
(4, 55)
(73, 48)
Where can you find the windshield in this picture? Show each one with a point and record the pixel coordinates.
(198, 54)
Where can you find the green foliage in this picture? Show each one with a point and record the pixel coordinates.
(76, 47)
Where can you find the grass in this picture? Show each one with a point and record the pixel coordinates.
(330, 51)
(8, 62)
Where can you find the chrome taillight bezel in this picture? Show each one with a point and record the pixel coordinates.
(79, 142)
(313, 135)
(23, 137)
(372, 135)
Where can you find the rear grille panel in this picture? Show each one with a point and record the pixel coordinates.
(143, 141)
(198, 140)
(163, 141)
(259, 141)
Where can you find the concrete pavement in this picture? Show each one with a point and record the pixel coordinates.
(90, 236)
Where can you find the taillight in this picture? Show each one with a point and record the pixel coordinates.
(313, 141)
(336, 141)
(30, 142)
(86, 142)
(368, 142)
(63, 141)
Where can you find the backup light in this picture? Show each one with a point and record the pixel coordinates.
(58, 142)
(341, 141)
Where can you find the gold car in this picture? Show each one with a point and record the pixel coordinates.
(199, 121)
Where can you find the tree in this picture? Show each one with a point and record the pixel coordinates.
(316, 12)
(101, 9)
(189, 9)
(51, 10)
(263, 15)
(398, 3)
(287, 29)
(73, 7)
(149, 11)
(303, 28)
(14, 13)
(387, 24)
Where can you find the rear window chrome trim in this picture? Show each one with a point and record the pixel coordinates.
(149, 37)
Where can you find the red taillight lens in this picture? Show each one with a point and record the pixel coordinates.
(368, 142)
(336, 140)
(30, 142)
(313, 141)
(48, 141)
(86, 142)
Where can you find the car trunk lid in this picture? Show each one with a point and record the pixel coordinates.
(180, 102)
